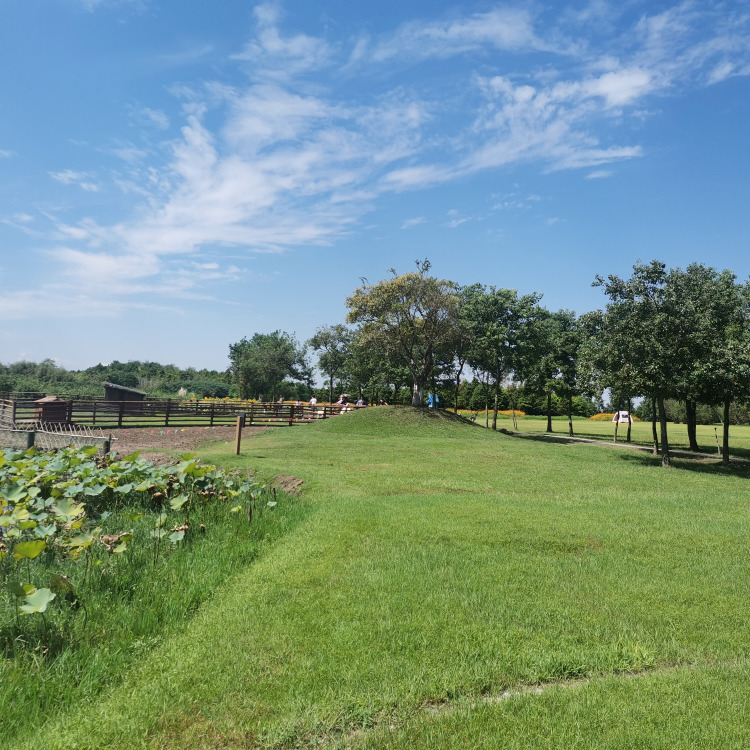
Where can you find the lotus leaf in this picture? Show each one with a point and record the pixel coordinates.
(29, 550)
(37, 602)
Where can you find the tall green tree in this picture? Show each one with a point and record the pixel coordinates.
(333, 344)
(411, 318)
(711, 328)
(632, 345)
(260, 364)
(501, 333)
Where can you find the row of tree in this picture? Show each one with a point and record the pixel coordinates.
(663, 334)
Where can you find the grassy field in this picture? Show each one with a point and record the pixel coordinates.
(707, 435)
(451, 587)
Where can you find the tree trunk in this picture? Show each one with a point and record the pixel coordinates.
(725, 441)
(630, 417)
(570, 415)
(549, 411)
(617, 423)
(653, 426)
(330, 390)
(458, 387)
(417, 394)
(494, 409)
(665, 458)
(691, 420)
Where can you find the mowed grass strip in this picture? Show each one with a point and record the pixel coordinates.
(442, 563)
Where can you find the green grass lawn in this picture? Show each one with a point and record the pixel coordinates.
(438, 566)
(707, 435)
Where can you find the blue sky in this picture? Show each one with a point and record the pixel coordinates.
(177, 175)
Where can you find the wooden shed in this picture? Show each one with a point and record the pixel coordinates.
(52, 410)
(114, 392)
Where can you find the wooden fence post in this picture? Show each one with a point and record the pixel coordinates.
(166, 416)
(213, 404)
(93, 420)
(238, 437)
(119, 414)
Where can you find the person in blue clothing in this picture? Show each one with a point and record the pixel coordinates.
(432, 400)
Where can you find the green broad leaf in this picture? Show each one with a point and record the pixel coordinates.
(120, 548)
(20, 514)
(176, 536)
(132, 456)
(89, 450)
(123, 489)
(82, 540)
(33, 491)
(28, 524)
(160, 519)
(43, 531)
(236, 509)
(133, 516)
(29, 550)
(66, 510)
(143, 486)
(271, 504)
(37, 602)
(17, 590)
(14, 493)
(5, 520)
(177, 502)
(105, 515)
(13, 531)
(188, 456)
(95, 490)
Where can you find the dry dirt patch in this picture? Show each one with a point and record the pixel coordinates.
(156, 444)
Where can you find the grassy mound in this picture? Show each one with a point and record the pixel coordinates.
(392, 421)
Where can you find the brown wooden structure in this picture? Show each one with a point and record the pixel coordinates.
(115, 392)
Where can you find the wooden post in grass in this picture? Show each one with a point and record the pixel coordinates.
(238, 438)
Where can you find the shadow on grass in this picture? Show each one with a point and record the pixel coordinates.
(699, 462)
(705, 463)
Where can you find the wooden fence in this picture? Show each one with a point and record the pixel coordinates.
(94, 412)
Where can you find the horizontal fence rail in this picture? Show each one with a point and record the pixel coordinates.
(94, 412)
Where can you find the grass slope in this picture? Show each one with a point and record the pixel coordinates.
(441, 565)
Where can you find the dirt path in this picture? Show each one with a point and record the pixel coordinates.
(154, 443)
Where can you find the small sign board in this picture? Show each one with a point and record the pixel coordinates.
(622, 417)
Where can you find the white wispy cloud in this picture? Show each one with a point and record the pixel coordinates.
(276, 160)
(296, 53)
(413, 222)
(500, 28)
(84, 180)
(5, 154)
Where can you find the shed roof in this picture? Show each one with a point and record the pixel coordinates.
(123, 388)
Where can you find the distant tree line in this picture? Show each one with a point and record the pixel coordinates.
(151, 377)
(674, 341)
